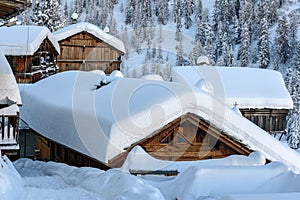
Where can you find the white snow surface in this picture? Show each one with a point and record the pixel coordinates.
(73, 29)
(101, 123)
(8, 85)
(248, 87)
(26, 179)
(24, 40)
(138, 159)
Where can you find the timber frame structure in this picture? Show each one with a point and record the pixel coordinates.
(83, 51)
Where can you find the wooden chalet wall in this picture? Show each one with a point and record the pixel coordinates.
(50, 150)
(29, 69)
(271, 120)
(85, 52)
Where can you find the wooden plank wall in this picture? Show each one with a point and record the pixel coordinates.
(271, 120)
(22, 65)
(85, 52)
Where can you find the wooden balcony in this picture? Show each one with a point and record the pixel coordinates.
(9, 125)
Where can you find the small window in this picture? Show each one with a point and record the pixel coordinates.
(180, 139)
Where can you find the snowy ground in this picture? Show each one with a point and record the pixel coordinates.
(238, 177)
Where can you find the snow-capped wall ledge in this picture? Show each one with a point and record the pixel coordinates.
(247, 87)
(102, 123)
(24, 40)
(93, 30)
(9, 91)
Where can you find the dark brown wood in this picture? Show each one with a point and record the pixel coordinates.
(271, 120)
(29, 69)
(9, 8)
(187, 138)
(85, 52)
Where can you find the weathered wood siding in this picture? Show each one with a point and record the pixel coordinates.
(29, 69)
(8, 8)
(50, 150)
(271, 120)
(85, 52)
(185, 139)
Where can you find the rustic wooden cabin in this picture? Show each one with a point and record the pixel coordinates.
(10, 101)
(102, 134)
(30, 50)
(259, 94)
(86, 47)
(9, 8)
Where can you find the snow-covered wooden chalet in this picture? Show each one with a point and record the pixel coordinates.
(95, 120)
(8, 8)
(260, 95)
(30, 50)
(86, 47)
(10, 101)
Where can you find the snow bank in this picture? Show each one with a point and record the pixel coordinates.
(216, 181)
(154, 77)
(112, 184)
(8, 85)
(24, 40)
(92, 29)
(195, 182)
(138, 159)
(11, 185)
(248, 87)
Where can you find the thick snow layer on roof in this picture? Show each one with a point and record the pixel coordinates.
(92, 29)
(248, 87)
(24, 40)
(9, 90)
(102, 122)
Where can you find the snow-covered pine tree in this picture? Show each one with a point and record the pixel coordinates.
(263, 45)
(244, 50)
(179, 46)
(188, 10)
(163, 12)
(48, 13)
(196, 52)
(281, 44)
(293, 29)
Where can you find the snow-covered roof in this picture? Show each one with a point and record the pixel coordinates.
(9, 91)
(102, 122)
(247, 87)
(93, 30)
(24, 40)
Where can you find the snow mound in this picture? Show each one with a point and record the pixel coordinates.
(138, 159)
(117, 73)
(11, 185)
(112, 184)
(154, 77)
(214, 181)
(99, 72)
